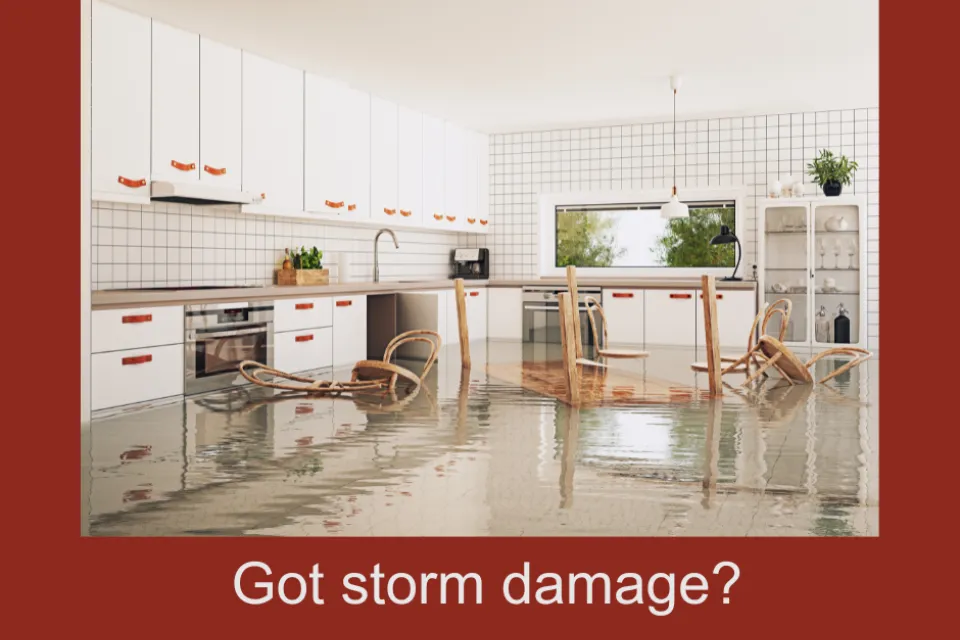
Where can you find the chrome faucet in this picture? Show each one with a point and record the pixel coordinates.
(376, 252)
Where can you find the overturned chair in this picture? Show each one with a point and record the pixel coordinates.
(368, 375)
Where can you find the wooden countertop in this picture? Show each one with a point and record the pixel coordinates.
(124, 298)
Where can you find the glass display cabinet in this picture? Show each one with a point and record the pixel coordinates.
(812, 251)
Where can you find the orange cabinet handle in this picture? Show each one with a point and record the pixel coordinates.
(306, 338)
(406, 214)
(451, 218)
(133, 184)
(263, 196)
(304, 305)
(483, 222)
(680, 296)
(301, 409)
(437, 216)
(344, 303)
(623, 295)
(351, 207)
(183, 166)
(214, 171)
(719, 296)
(474, 293)
(471, 220)
(333, 205)
(137, 319)
(389, 212)
(137, 360)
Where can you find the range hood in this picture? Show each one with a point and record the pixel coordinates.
(199, 193)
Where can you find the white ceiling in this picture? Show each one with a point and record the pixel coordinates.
(511, 65)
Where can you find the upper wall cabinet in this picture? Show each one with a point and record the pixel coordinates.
(383, 160)
(120, 97)
(471, 180)
(220, 108)
(483, 206)
(176, 99)
(454, 173)
(433, 173)
(355, 138)
(410, 174)
(272, 135)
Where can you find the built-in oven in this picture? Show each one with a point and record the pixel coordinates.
(218, 337)
(541, 314)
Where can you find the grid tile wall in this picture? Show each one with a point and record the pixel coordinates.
(749, 151)
(163, 244)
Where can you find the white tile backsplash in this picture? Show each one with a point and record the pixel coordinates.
(165, 245)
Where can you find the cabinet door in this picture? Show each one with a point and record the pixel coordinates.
(120, 105)
(383, 160)
(454, 195)
(349, 330)
(433, 172)
(303, 350)
(220, 125)
(410, 188)
(137, 375)
(354, 144)
(448, 300)
(272, 134)
(505, 313)
(624, 311)
(477, 314)
(735, 313)
(669, 317)
(483, 206)
(176, 105)
(327, 168)
(471, 180)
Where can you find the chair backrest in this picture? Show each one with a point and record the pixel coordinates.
(783, 307)
(432, 338)
(592, 303)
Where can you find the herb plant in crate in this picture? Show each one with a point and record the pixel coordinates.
(303, 267)
(831, 172)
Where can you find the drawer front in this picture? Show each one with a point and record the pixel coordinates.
(670, 317)
(119, 329)
(735, 313)
(303, 350)
(136, 375)
(477, 314)
(624, 311)
(302, 313)
(349, 330)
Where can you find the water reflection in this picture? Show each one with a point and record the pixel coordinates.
(473, 455)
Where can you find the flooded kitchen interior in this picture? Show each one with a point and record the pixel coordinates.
(486, 453)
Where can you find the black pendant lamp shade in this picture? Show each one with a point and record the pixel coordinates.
(727, 237)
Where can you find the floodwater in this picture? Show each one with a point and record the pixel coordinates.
(484, 456)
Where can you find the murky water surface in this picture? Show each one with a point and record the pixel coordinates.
(483, 456)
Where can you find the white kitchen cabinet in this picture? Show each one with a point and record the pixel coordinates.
(625, 320)
(220, 115)
(137, 375)
(349, 330)
(476, 314)
(120, 105)
(410, 168)
(433, 173)
(175, 118)
(293, 314)
(669, 317)
(120, 329)
(455, 171)
(471, 189)
(483, 206)
(272, 135)
(355, 141)
(303, 350)
(505, 313)
(384, 138)
(735, 313)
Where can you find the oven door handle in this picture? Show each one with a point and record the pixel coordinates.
(229, 334)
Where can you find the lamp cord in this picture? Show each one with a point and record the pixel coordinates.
(674, 142)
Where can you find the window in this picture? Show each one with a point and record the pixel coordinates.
(630, 235)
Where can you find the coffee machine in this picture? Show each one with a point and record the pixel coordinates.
(471, 264)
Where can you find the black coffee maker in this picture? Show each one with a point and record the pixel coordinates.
(471, 264)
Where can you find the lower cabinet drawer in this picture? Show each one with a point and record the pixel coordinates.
(136, 375)
(117, 329)
(303, 350)
(293, 314)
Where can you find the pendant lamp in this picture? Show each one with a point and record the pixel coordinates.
(674, 208)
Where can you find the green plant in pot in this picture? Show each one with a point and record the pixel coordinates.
(304, 258)
(831, 172)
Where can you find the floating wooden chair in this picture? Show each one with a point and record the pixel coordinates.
(368, 375)
(604, 351)
(741, 364)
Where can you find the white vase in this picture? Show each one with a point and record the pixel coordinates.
(774, 188)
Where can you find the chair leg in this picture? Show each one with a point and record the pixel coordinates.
(842, 369)
(766, 365)
(736, 363)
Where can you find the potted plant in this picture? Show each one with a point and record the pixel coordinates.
(831, 172)
(303, 267)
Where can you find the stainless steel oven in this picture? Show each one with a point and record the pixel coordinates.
(541, 314)
(218, 337)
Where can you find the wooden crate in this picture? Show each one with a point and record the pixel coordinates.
(293, 277)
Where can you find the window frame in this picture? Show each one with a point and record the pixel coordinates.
(547, 248)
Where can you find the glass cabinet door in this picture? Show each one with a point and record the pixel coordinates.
(836, 269)
(786, 272)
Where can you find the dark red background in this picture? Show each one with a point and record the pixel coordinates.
(809, 587)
